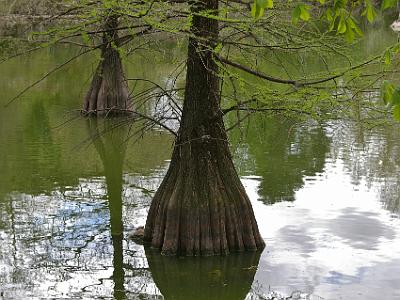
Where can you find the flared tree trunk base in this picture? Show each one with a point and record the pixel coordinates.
(201, 207)
(108, 93)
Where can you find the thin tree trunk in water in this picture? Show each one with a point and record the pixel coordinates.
(201, 207)
(108, 92)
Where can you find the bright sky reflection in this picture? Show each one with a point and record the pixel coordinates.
(334, 241)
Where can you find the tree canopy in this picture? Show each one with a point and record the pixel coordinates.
(259, 49)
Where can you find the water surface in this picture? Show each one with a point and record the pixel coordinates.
(326, 200)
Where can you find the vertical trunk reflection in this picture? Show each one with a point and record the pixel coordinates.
(109, 140)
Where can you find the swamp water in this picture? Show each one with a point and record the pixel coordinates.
(326, 200)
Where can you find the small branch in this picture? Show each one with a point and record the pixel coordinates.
(240, 120)
(160, 87)
(293, 82)
(20, 53)
(128, 111)
(256, 73)
(47, 75)
(236, 107)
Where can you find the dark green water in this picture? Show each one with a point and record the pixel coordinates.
(326, 200)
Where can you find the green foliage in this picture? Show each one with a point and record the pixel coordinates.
(390, 53)
(10, 46)
(340, 19)
(259, 7)
(85, 38)
(387, 91)
(301, 11)
(391, 97)
(270, 34)
(388, 4)
(338, 14)
(369, 11)
(218, 48)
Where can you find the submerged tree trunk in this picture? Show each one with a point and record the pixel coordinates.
(201, 207)
(108, 92)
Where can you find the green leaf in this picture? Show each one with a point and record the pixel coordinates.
(321, 1)
(296, 12)
(351, 29)
(218, 48)
(351, 23)
(395, 97)
(85, 37)
(304, 12)
(261, 3)
(342, 27)
(369, 11)
(332, 25)
(396, 112)
(349, 35)
(301, 11)
(387, 57)
(388, 4)
(259, 6)
(269, 4)
(329, 15)
(371, 14)
(355, 27)
(255, 11)
(338, 4)
(396, 49)
(387, 90)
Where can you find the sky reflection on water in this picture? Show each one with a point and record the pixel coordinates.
(335, 241)
(326, 200)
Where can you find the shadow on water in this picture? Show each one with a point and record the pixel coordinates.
(109, 139)
(228, 277)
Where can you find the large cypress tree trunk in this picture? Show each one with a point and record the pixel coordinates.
(201, 207)
(108, 92)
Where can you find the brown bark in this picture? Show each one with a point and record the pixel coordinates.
(201, 207)
(108, 92)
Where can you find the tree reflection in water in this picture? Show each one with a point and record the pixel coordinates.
(227, 277)
(109, 140)
(284, 152)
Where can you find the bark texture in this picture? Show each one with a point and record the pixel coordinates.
(108, 92)
(201, 207)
